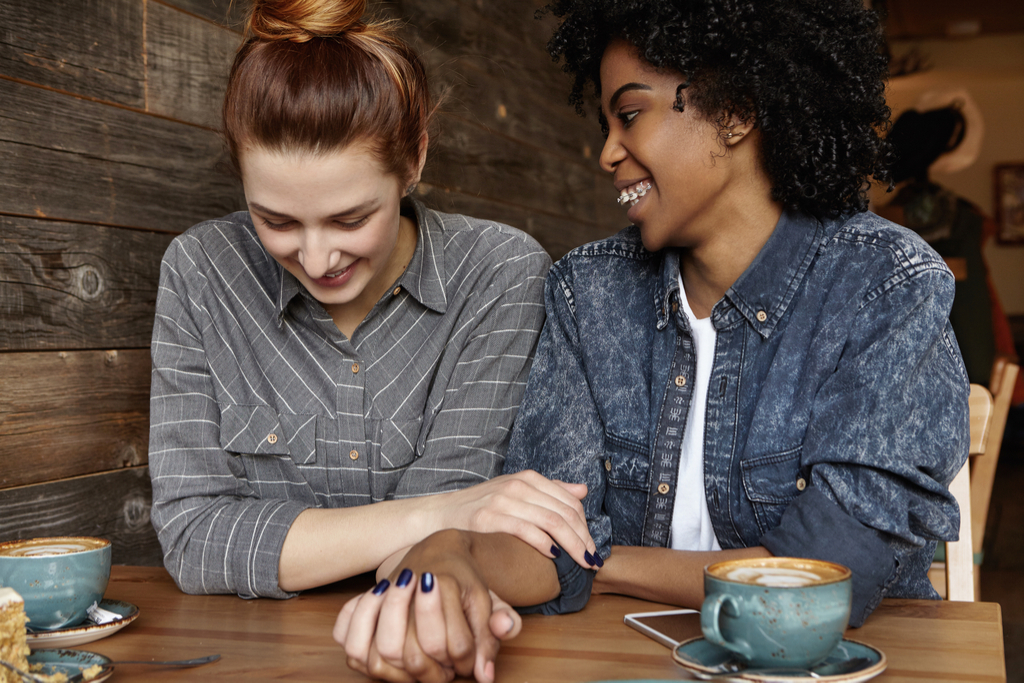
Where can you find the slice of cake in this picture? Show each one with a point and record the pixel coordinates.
(13, 644)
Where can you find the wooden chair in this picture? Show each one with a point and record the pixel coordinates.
(972, 487)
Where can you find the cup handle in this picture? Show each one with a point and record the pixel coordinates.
(709, 615)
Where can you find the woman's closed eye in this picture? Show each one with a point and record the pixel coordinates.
(627, 117)
(277, 226)
(353, 224)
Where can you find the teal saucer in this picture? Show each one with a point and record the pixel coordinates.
(71, 663)
(702, 658)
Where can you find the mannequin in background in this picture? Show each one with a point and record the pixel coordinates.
(953, 226)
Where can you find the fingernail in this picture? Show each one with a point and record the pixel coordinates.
(381, 587)
(589, 558)
(555, 551)
(597, 558)
(511, 625)
(404, 578)
(427, 582)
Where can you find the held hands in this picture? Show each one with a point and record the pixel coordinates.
(428, 627)
(539, 511)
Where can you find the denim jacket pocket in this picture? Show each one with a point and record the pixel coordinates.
(771, 482)
(392, 443)
(627, 463)
(261, 430)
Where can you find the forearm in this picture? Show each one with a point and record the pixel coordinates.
(512, 569)
(327, 545)
(674, 577)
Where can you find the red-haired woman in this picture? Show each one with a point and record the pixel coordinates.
(328, 358)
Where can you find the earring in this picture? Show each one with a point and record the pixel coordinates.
(730, 136)
(409, 190)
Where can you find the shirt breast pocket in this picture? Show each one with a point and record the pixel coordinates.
(626, 463)
(261, 430)
(771, 482)
(392, 444)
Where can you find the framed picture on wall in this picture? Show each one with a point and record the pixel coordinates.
(1009, 202)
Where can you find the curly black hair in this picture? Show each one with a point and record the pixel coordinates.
(810, 74)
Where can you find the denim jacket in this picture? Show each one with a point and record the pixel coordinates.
(836, 412)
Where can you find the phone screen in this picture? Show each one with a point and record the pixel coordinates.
(670, 628)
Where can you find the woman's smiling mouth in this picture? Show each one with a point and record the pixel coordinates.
(632, 194)
(336, 279)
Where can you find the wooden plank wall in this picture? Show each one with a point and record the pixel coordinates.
(108, 133)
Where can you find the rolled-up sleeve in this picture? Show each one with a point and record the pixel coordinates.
(889, 431)
(217, 534)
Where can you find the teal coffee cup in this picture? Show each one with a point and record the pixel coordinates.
(776, 611)
(59, 578)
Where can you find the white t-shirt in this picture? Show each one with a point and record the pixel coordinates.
(691, 523)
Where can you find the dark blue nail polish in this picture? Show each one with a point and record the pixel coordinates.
(597, 558)
(589, 558)
(404, 578)
(556, 551)
(427, 582)
(381, 587)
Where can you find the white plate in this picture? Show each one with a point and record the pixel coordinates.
(86, 632)
(71, 663)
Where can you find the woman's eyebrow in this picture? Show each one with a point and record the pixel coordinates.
(347, 212)
(623, 89)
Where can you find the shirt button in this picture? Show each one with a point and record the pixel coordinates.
(680, 381)
(801, 484)
(608, 465)
(271, 438)
(761, 316)
(354, 455)
(662, 488)
(397, 291)
(355, 368)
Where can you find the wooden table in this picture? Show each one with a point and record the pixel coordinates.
(266, 639)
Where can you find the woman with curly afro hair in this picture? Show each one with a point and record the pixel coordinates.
(755, 366)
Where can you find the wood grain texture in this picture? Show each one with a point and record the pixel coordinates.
(187, 64)
(74, 286)
(285, 639)
(88, 47)
(228, 13)
(70, 413)
(475, 162)
(73, 159)
(557, 234)
(114, 505)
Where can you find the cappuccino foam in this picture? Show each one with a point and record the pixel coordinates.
(776, 577)
(46, 547)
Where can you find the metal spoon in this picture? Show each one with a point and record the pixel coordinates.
(734, 669)
(183, 663)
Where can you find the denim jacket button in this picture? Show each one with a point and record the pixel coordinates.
(680, 381)
(675, 307)
(608, 465)
(662, 488)
(761, 316)
(801, 484)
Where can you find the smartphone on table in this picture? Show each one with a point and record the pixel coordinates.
(668, 627)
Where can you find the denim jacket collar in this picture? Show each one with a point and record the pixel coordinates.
(766, 287)
(423, 279)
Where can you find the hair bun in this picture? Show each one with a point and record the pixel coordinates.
(302, 20)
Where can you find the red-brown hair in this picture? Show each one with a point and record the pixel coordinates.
(313, 76)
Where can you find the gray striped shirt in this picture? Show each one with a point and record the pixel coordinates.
(261, 408)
